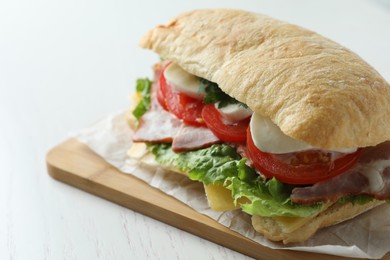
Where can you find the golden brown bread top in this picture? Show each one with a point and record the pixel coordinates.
(314, 89)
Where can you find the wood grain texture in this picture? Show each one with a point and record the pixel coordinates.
(74, 163)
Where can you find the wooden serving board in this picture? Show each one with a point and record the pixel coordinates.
(74, 163)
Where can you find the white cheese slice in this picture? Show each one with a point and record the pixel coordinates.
(268, 137)
(183, 82)
(234, 112)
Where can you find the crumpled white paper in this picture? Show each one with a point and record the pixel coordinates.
(366, 236)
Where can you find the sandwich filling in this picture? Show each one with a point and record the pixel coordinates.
(190, 123)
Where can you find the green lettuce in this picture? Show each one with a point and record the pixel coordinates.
(221, 164)
(143, 88)
(356, 199)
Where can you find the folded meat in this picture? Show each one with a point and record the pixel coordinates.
(370, 176)
(158, 125)
(193, 137)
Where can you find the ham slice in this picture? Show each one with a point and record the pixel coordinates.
(193, 137)
(159, 126)
(370, 176)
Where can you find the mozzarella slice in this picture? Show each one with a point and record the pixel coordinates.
(183, 82)
(234, 112)
(268, 137)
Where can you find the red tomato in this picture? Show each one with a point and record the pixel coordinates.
(182, 106)
(306, 167)
(160, 92)
(228, 133)
(161, 83)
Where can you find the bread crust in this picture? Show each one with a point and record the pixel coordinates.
(314, 89)
(273, 230)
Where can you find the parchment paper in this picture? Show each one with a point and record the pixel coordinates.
(366, 236)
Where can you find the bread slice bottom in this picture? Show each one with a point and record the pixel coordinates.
(279, 229)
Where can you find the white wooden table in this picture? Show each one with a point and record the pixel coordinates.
(66, 64)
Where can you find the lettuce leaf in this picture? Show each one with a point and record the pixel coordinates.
(269, 199)
(356, 199)
(221, 164)
(143, 88)
(211, 165)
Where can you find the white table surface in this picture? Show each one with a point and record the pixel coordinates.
(65, 65)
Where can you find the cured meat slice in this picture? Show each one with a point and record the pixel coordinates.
(159, 126)
(370, 176)
(193, 137)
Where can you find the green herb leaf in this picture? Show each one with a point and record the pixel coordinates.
(143, 88)
(215, 95)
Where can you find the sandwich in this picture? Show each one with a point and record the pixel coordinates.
(275, 120)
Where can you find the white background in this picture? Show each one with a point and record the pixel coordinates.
(67, 64)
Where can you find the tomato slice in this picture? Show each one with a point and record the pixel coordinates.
(161, 96)
(307, 167)
(182, 106)
(226, 132)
